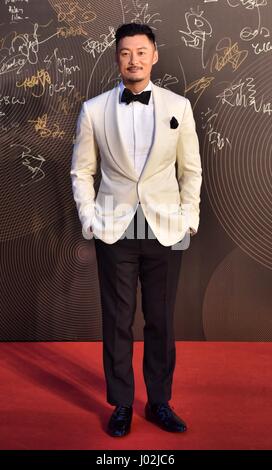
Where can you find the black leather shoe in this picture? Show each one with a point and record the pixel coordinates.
(120, 421)
(162, 415)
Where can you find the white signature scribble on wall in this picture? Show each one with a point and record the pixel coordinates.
(32, 163)
(198, 30)
(216, 139)
(8, 127)
(63, 69)
(243, 94)
(16, 10)
(265, 46)
(23, 50)
(166, 81)
(8, 100)
(248, 33)
(248, 4)
(92, 47)
(140, 13)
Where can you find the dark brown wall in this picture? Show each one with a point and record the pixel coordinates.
(54, 55)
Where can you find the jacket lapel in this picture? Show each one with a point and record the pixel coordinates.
(160, 119)
(113, 136)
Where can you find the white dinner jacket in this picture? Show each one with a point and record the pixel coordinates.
(169, 185)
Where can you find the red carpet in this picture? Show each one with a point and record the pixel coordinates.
(53, 397)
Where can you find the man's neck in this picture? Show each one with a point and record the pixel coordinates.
(136, 87)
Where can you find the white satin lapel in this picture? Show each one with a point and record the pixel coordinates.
(113, 136)
(161, 115)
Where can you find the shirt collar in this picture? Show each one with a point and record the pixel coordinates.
(147, 88)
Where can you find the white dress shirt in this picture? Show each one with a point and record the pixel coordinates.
(136, 128)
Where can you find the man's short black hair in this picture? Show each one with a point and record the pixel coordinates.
(131, 29)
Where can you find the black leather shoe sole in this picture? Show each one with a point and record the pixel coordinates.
(117, 433)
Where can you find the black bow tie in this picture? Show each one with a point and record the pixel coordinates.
(128, 96)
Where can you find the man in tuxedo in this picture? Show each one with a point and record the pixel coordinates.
(146, 139)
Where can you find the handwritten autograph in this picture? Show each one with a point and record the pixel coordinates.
(227, 53)
(248, 4)
(72, 11)
(248, 33)
(166, 81)
(32, 163)
(91, 46)
(63, 69)
(140, 14)
(44, 131)
(198, 29)
(66, 32)
(41, 78)
(16, 13)
(199, 86)
(7, 100)
(243, 94)
(64, 105)
(216, 139)
(265, 47)
(23, 50)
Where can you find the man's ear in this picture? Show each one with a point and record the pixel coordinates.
(156, 57)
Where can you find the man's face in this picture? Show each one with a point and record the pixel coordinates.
(135, 57)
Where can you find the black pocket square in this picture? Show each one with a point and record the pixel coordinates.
(174, 123)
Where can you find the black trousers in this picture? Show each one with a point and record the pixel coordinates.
(120, 265)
